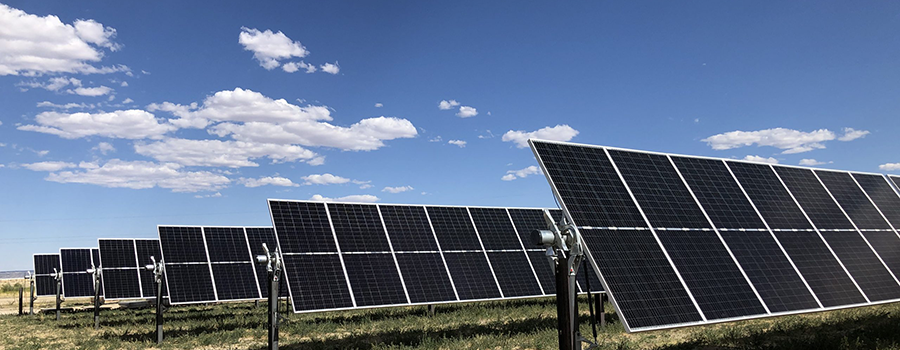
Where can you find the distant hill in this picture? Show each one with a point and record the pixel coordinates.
(12, 274)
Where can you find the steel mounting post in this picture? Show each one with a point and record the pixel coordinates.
(274, 266)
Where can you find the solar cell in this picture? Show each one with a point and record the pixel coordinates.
(813, 198)
(880, 191)
(868, 272)
(77, 282)
(769, 196)
(116, 253)
(471, 275)
(453, 228)
(235, 281)
(895, 180)
(514, 280)
(181, 244)
(545, 272)
(302, 227)
(121, 284)
(147, 248)
(75, 260)
(495, 229)
(256, 236)
(78, 285)
(596, 285)
(374, 279)
(121, 277)
(718, 193)
(45, 285)
(409, 228)
(189, 283)
(425, 277)
(227, 244)
(44, 264)
(317, 282)
(358, 228)
(852, 200)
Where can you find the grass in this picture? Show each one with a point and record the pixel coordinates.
(518, 324)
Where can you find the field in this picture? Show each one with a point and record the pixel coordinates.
(519, 324)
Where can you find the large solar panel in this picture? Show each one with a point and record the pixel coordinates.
(682, 240)
(351, 255)
(122, 261)
(76, 262)
(213, 264)
(44, 267)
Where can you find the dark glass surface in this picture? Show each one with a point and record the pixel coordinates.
(75, 260)
(471, 276)
(645, 286)
(659, 191)
(147, 248)
(711, 274)
(44, 286)
(525, 221)
(862, 263)
(821, 270)
(881, 192)
(718, 193)
(425, 277)
(77, 285)
(256, 236)
(596, 285)
(95, 257)
(769, 195)
(189, 282)
(853, 200)
(226, 244)
(374, 279)
(589, 186)
(235, 281)
(408, 228)
(45, 263)
(770, 271)
(302, 227)
(358, 228)
(317, 282)
(121, 284)
(813, 198)
(514, 275)
(453, 228)
(887, 245)
(495, 228)
(182, 244)
(544, 271)
(117, 253)
(148, 284)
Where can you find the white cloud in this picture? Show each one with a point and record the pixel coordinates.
(560, 132)
(466, 112)
(459, 143)
(292, 67)
(140, 175)
(445, 105)
(34, 45)
(397, 189)
(362, 198)
(214, 195)
(66, 106)
(436, 139)
(48, 166)
(267, 180)
(217, 153)
(124, 84)
(324, 179)
(92, 91)
(268, 47)
(760, 159)
(363, 184)
(791, 141)
(126, 124)
(521, 173)
(379, 105)
(127, 101)
(851, 134)
(52, 84)
(332, 68)
(889, 166)
(811, 162)
(247, 115)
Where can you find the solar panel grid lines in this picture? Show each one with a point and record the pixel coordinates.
(77, 282)
(393, 254)
(188, 271)
(791, 238)
(525, 251)
(256, 236)
(44, 281)
(880, 192)
(481, 243)
(853, 201)
(337, 248)
(119, 265)
(437, 243)
(259, 285)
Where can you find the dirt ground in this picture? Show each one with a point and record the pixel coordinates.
(9, 300)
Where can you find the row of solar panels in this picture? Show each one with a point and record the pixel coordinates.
(687, 240)
(337, 256)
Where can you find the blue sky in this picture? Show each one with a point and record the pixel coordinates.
(120, 116)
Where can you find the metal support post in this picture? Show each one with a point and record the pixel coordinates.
(565, 305)
(158, 268)
(95, 272)
(431, 310)
(599, 300)
(31, 300)
(274, 265)
(21, 300)
(58, 276)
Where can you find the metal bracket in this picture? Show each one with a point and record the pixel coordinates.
(274, 266)
(159, 269)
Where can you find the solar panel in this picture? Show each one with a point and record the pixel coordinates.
(390, 255)
(44, 265)
(256, 236)
(122, 261)
(213, 264)
(77, 282)
(683, 240)
(95, 261)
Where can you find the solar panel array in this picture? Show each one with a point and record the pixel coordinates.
(77, 281)
(44, 281)
(685, 240)
(123, 262)
(346, 255)
(213, 264)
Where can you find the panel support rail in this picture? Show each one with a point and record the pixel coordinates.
(564, 248)
(274, 265)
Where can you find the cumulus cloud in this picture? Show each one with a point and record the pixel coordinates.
(790, 141)
(249, 116)
(560, 132)
(267, 180)
(466, 112)
(459, 143)
(104, 148)
(324, 179)
(127, 101)
(889, 166)
(363, 184)
(760, 159)
(445, 104)
(217, 153)
(291, 67)
(379, 105)
(332, 68)
(397, 189)
(35, 45)
(214, 195)
(851, 134)
(521, 173)
(269, 48)
(48, 104)
(52, 84)
(811, 162)
(126, 124)
(362, 198)
(141, 174)
(48, 166)
(91, 91)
